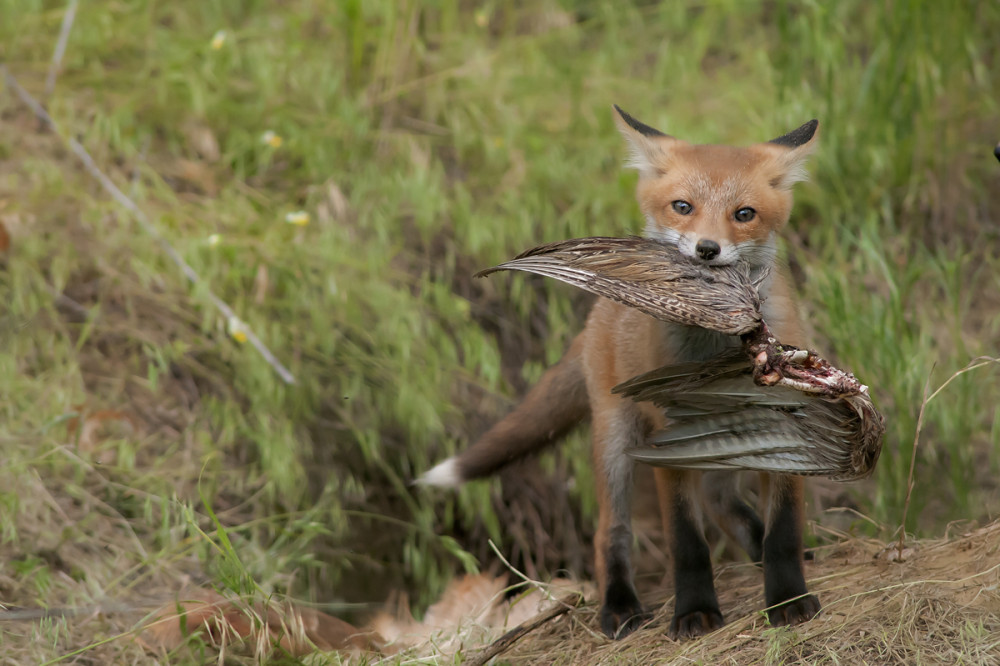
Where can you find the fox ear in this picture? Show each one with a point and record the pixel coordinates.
(798, 137)
(648, 146)
(789, 153)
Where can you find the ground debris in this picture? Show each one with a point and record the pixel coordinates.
(296, 630)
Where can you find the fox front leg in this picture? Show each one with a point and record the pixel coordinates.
(621, 613)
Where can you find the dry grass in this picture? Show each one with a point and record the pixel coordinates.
(939, 605)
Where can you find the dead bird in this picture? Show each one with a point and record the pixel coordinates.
(767, 407)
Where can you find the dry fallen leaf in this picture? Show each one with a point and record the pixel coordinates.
(473, 610)
(893, 553)
(4, 239)
(196, 175)
(260, 285)
(337, 201)
(296, 630)
(203, 141)
(89, 430)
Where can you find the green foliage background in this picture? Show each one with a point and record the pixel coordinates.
(427, 141)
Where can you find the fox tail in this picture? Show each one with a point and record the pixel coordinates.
(550, 410)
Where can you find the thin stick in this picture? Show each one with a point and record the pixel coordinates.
(534, 583)
(913, 463)
(974, 364)
(19, 614)
(504, 643)
(144, 222)
(57, 55)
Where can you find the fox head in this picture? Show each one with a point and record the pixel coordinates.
(718, 204)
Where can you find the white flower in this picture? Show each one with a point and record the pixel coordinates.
(237, 329)
(271, 139)
(299, 218)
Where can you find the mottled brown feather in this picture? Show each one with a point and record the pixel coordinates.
(653, 277)
(786, 410)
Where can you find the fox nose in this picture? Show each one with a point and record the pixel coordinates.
(707, 249)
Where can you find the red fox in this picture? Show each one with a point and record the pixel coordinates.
(717, 204)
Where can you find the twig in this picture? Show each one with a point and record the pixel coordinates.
(19, 614)
(534, 583)
(541, 587)
(57, 55)
(504, 643)
(974, 364)
(144, 222)
(913, 463)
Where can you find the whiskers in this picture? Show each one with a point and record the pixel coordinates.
(757, 254)
(663, 234)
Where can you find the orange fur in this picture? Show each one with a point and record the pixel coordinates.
(693, 196)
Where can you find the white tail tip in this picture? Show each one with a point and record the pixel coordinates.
(444, 475)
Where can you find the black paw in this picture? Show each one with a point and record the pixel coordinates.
(695, 623)
(794, 612)
(620, 620)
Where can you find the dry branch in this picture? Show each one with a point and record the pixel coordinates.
(505, 642)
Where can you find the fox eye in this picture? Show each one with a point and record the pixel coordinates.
(682, 207)
(745, 214)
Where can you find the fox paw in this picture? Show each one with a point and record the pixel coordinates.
(620, 620)
(694, 624)
(794, 612)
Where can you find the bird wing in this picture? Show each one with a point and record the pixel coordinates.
(811, 440)
(719, 418)
(652, 277)
(810, 418)
(725, 383)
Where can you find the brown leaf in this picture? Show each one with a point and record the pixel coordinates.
(296, 630)
(338, 202)
(198, 610)
(261, 282)
(97, 427)
(471, 611)
(324, 631)
(195, 175)
(332, 206)
(203, 141)
(420, 156)
(4, 239)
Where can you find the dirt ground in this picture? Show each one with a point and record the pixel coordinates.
(934, 602)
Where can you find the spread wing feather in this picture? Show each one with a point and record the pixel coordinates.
(818, 421)
(720, 419)
(652, 277)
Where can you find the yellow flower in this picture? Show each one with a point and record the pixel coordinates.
(271, 139)
(214, 240)
(481, 18)
(299, 218)
(218, 40)
(237, 330)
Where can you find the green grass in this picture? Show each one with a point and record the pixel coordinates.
(427, 141)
